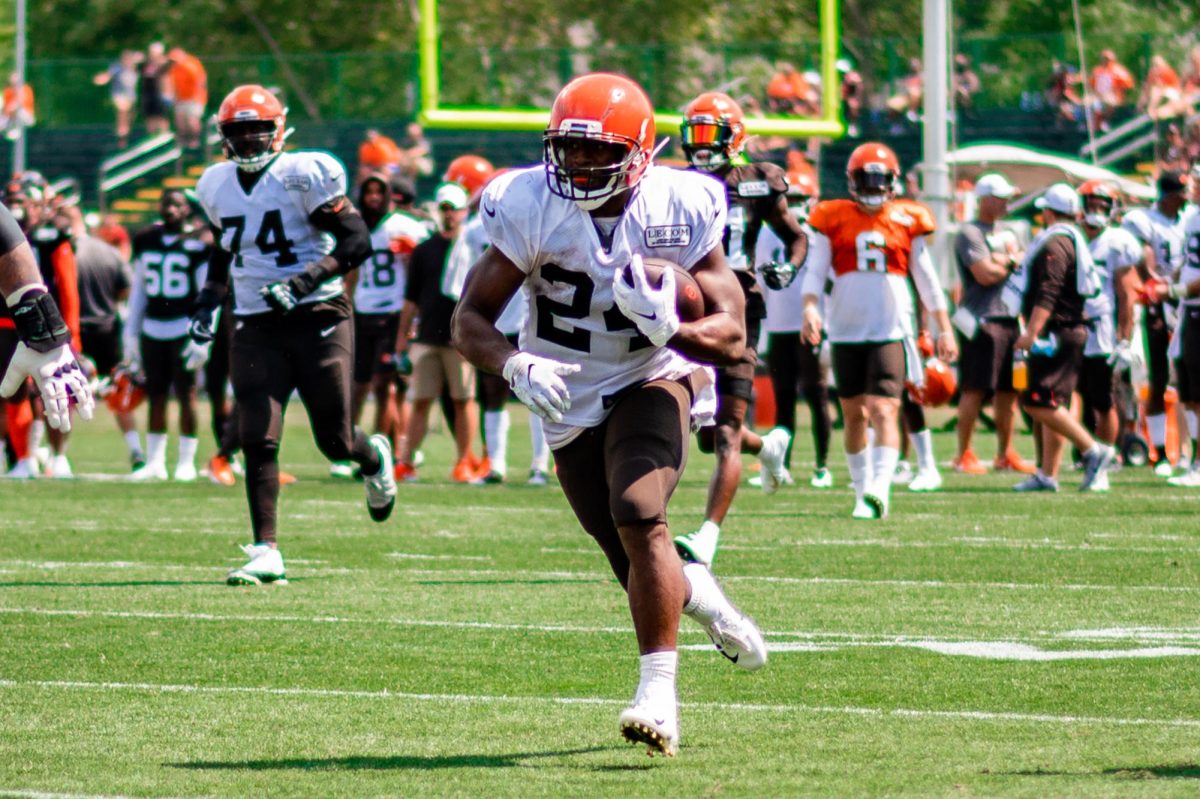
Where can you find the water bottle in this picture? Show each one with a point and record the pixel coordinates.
(1020, 371)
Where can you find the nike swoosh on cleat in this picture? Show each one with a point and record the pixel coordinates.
(660, 722)
(732, 658)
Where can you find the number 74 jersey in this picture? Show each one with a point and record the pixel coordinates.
(267, 228)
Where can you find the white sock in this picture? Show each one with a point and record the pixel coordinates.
(187, 450)
(541, 450)
(923, 443)
(883, 465)
(860, 470)
(710, 528)
(133, 442)
(37, 431)
(495, 427)
(1193, 424)
(870, 437)
(1157, 425)
(658, 673)
(707, 600)
(156, 448)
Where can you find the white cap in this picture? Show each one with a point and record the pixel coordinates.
(453, 195)
(1060, 198)
(993, 184)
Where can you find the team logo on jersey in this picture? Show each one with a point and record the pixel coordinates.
(900, 217)
(753, 188)
(297, 183)
(669, 236)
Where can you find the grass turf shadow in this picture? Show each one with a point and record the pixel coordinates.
(1177, 771)
(382, 763)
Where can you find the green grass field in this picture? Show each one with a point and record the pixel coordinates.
(976, 643)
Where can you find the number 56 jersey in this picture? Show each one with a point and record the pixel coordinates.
(572, 316)
(266, 227)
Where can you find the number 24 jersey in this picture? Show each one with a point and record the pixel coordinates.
(673, 214)
(267, 227)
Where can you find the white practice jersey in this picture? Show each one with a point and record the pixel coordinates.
(1164, 235)
(380, 286)
(676, 215)
(466, 250)
(1191, 255)
(785, 308)
(1113, 250)
(267, 228)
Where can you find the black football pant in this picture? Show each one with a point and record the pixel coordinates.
(791, 362)
(309, 352)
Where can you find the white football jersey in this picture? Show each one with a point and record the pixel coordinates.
(380, 286)
(267, 229)
(1164, 235)
(785, 308)
(1191, 255)
(572, 316)
(1113, 250)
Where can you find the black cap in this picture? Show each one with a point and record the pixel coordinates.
(403, 188)
(1171, 182)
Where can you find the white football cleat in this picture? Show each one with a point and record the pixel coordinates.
(699, 546)
(265, 566)
(185, 473)
(926, 480)
(1163, 468)
(153, 470)
(904, 473)
(537, 477)
(654, 721)
(733, 633)
(862, 510)
(1190, 479)
(25, 469)
(381, 487)
(60, 468)
(341, 470)
(774, 450)
(822, 478)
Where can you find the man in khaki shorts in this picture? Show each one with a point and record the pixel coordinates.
(435, 362)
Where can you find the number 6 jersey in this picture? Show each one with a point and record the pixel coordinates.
(676, 215)
(266, 227)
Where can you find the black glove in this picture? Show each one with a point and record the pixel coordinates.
(778, 275)
(39, 323)
(284, 295)
(203, 326)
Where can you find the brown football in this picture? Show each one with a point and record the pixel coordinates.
(689, 302)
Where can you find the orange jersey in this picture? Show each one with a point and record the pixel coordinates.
(865, 242)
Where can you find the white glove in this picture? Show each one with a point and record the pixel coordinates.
(1122, 357)
(195, 355)
(651, 309)
(59, 379)
(538, 383)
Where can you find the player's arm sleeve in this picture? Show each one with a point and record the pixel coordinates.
(925, 277)
(708, 216)
(340, 219)
(818, 264)
(11, 236)
(135, 310)
(67, 279)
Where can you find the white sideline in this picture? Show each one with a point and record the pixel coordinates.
(323, 693)
(21, 793)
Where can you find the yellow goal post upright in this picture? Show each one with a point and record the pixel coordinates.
(433, 115)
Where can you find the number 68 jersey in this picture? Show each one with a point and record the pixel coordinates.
(676, 215)
(266, 227)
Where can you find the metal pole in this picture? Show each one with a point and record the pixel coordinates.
(1087, 93)
(936, 184)
(19, 57)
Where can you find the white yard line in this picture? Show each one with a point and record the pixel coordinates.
(21, 793)
(720, 707)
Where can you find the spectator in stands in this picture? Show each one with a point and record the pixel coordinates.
(1173, 151)
(121, 78)
(189, 81)
(1161, 90)
(152, 90)
(789, 93)
(906, 103)
(966, 84)
(852, 96)
(378, 154)
(17, 112)
(1110, 82)
(417, 151)
(1062, 93)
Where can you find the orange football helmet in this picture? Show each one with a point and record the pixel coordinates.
(472, 172)
(713, 131)
(940, 385)
(600, 139)
(803, 191)
(1099, 200)
(873, 173)
(123, 391)
(251, 121)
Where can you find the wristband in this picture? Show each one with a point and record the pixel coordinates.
(12, 299)
(39, 323)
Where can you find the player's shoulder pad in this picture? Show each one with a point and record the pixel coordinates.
(775, 176)
(304, 170)
(919, 218)
(824, 216)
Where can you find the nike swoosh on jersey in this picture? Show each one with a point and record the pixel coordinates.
(489, 211)
(651, 316)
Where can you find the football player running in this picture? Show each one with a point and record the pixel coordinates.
(170, 262)
(285, 234)
(870, 247)
(608, 364)
(714, 134)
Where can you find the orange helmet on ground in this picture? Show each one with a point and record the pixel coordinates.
(472, 172)
(251, 121)
(1099, 200)
(123, 391)
(600, 139)
(940, 385)
(873, 173)
(713, 131)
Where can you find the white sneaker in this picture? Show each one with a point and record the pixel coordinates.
(654, 721)
(381, 488)
(904, 473)
(863, 511)
(774, 450)
(822, 478)
(1163, 468)
(25, 469)
(60, 468)
(537, 477)
(153, 470)
(265, 566)
(755, 481)
(1190, 479)
(341, 470)
(926, 480)
(1100, 484)
(1095, 468)
(185, 473)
